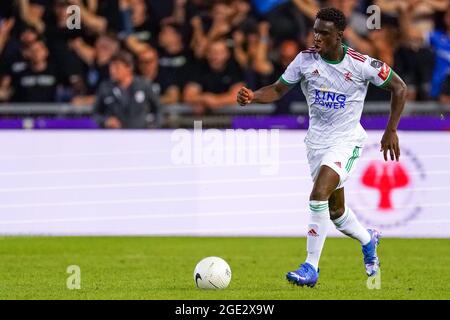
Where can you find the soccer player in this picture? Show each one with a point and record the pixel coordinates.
(334, 79)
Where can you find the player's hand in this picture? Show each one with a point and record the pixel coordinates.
(245, 96)
(389, 142)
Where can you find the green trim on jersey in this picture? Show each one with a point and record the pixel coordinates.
(389, 78)
(336, 61)
(287, 82)
(352, 159)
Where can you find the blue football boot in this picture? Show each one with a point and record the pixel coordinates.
(371, 261)
(305, 275)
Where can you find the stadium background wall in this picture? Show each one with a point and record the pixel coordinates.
(132, 183)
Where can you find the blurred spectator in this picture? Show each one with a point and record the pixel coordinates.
(445, 93)
(214, 83)
(383, 44)
(220, 23)
(39, 80)
(174, 60)
(208, 28)
(14, 59)
(97, 59)
(125, 101)
(269, 70)
(263, 37)
(99, 16)
(438, 40)
(292, 20)
(148, 66)
(264, 6)
(137, 22)
(69, 63)
(32, 13)
(422, 12)
(6, 26)
(179, 12)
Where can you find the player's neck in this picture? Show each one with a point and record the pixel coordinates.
(334, 55)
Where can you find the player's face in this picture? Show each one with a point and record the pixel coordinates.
(327, 38)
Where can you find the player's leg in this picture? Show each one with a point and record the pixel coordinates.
(319, 215)
(326, 181)
(346, 222)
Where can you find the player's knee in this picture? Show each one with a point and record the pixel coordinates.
(336, 211)
(319, 194)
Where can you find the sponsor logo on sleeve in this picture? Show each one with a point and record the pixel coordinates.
(384, 72)
(376, 64)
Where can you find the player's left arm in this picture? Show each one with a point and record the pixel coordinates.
(390, 141)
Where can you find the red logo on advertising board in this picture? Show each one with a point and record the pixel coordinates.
(385, 177)
(386, 192)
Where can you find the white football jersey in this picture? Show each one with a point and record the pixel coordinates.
(335, 93)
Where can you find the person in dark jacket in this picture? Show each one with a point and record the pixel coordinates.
(126, 101)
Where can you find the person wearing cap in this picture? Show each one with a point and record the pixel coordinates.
(126, 101)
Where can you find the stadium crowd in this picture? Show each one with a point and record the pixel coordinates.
(200, 52)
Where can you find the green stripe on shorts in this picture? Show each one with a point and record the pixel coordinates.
(350, 161)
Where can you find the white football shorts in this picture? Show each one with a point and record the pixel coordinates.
(342, 159)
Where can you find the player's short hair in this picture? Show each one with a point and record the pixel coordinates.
(333, 15)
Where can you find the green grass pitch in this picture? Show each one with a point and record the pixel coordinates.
(162, 268)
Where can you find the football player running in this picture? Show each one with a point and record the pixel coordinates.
(334, 79)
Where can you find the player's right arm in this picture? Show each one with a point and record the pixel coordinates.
(275, 91)
(266, 94)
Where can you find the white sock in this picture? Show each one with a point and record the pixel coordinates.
(319, 221)
(349, 225)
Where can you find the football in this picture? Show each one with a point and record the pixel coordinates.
(212, 273)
